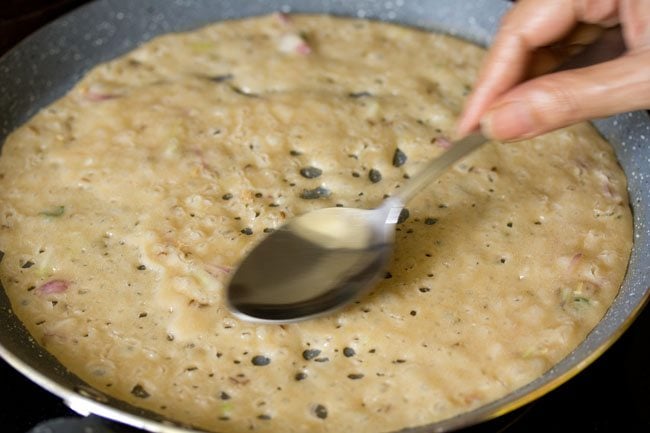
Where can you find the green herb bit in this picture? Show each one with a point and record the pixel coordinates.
(581, 300)
(226, 408)
(56, 211)
(574, 298)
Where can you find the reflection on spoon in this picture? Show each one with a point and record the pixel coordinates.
(325, 259)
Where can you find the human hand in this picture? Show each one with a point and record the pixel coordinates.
(509, 107)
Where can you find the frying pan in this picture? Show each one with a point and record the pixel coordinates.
(47, 64)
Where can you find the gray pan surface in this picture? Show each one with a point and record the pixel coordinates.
(44, 66)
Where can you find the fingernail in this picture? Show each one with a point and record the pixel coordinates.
(509, 121)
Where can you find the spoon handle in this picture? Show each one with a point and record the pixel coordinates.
(458, 150)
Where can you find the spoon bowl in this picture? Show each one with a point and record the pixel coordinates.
(312, 265)
(322, 260)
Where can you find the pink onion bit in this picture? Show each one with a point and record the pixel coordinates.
(283, 18)
(217, 270)
(443, 143)
(294, 43)
(52, 287)
(97, 97)
(611, 193)
(575, 260)
(303, 49)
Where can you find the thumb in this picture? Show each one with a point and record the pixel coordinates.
(560, 99)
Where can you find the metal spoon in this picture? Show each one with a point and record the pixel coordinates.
(322, 260)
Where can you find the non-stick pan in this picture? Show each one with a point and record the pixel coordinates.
(44, 66)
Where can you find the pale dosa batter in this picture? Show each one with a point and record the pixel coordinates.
(126, 204)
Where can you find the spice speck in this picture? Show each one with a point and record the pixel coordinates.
(356, 95)
(320, 411)
(316, 193)
(139, 391)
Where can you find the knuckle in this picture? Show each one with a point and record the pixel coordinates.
(555, 101)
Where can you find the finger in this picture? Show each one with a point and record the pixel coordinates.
(635, 16)
(524, 29)
(506, 61)
(563, 98)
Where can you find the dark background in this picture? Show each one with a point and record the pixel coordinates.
(611, 395)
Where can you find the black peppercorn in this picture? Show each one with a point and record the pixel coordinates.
(403, 216)
(399, 158)
(310, 172)
(310, 354)
(374, 175)
(260, 360)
